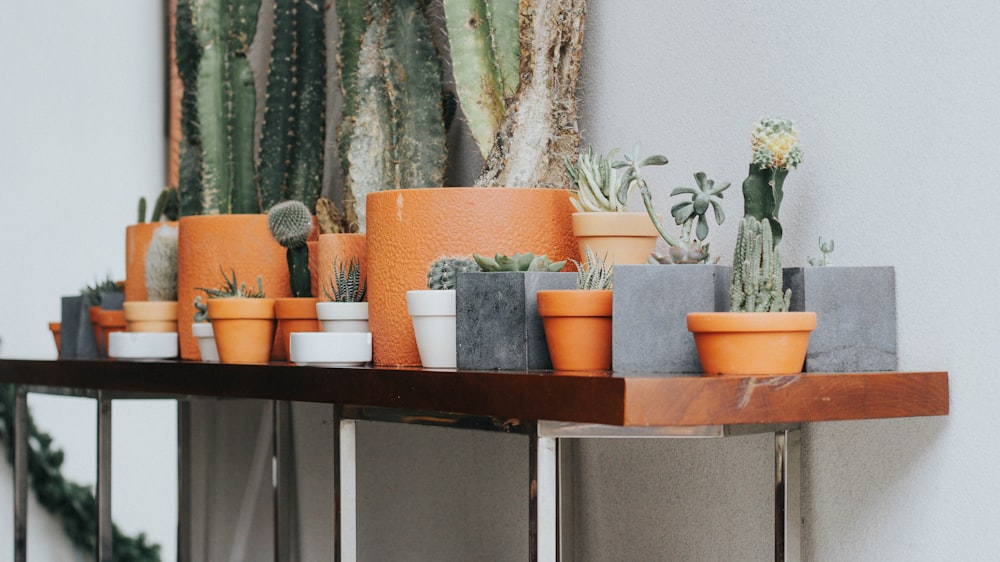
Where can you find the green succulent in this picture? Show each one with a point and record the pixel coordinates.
(705, 195)
(444, 272)
(346, 284)
(597, 187)
(518, 262)
(232, 289)
(827, 249)
(595, 274)
(108, 285)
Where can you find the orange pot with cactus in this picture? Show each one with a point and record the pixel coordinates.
(138, 237)
(751, 343)
(409, 229)
(242, 321)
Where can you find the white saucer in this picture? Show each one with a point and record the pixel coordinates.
(331, 349)
(142, 345)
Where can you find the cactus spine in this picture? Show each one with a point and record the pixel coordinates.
(290, 223)
(161, 265)
(757, 276)
(445, 270)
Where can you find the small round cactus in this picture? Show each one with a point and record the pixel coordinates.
(290, 223)
(444, 271)
(161, 265)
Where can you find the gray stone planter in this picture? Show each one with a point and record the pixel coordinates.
(855, 316)
(497, 320)
(651, 303)
(77, 337)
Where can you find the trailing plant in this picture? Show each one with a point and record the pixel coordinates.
(518, 262)
(595, 274)
(691, 214)
(346, 284)
(75, 505)
(775, 147)
(444, 272)
(200, 310)
(757, 282)
(826, 248)
(290, 223)
(595, 185)
(230, 288)
(161, 265)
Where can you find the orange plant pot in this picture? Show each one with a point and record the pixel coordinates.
(56, 329)
(409, 229)
(244, 329)
(339, 249)
(151, 316)
(625, 238)
(751, 343)
(95, 321)
(109, 321)
(137, 238)
(294, 315)
(577, 328)
(209, 245)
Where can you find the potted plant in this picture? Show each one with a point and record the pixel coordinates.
(433, 312)
(577, 322)
(104, 300)
(758, 335)
(159, 312)
(345, 309)
(138, 237)
(202, 331)
(290, 223)
(242, 321)
(497, 318)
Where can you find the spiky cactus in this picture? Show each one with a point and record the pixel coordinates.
(346, 284)
(757, 281)
(161, 265)
(290, 223)
(595, 273)
(518, 262)
(232, 289)
(775, 149)
(444, 272)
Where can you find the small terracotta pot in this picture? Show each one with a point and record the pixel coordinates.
(751, 343)
(624, 238)
(339, 249)
(151, 316)
(110, 321)
(56, 329)
(577, 328)
(137, 238)
(294, 315)
(244, 329)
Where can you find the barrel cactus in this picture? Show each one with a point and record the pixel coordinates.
(161, 265)
(444, 272)
(290, 223)
(757, 282)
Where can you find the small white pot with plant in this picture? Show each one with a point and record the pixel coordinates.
(201, 329)
(345, 308)
(433, 312)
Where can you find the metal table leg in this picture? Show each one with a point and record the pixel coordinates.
(20, 474)
(346, 542)
(104, 535)
(787, 508)
(546, 503)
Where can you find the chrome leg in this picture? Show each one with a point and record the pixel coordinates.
(787, 508)
(283, 480)
(20, 474)
(347, 549)
(547, 498)
(104, 536)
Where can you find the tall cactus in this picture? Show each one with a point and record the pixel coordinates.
(757, 276)
(353, 17)
(188, 55)
(485, 55)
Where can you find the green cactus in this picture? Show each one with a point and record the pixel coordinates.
(142, 211)
(188, 55)
(775, 148)
(485, 56)
(518, 262)
(757, 281)
(290, 223)
(595, 274)
(231, 289)
(346, 284)
(444, 272)
(161, 265)
(353, 17)
(166, 205)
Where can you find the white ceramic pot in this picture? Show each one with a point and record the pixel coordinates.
(331, 349)
(433, 315)
(202, 331)
(140, 346)
(343, 316)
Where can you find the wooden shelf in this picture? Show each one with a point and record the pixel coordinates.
(636, 400)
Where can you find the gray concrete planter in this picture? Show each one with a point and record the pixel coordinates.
(651, 303)
(856, 316)
(497, 321)
(77, 340)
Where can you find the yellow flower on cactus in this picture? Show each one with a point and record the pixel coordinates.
(775, 144)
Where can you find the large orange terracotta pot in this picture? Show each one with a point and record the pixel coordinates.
(137, 238)
(577, 328)
(751, 343)
(408, 229)
(208, 245)
(338, 249)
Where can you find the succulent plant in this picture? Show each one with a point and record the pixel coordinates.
(290, 223)
(444, 272)
(596, 186)
(346, 284)
(595, 274)
(703, 196)
(230, 288)
(518, 262)
(775, 149)
(826, 248)
(757, 280)
(201, 310)
(108, 285)
(161, 265)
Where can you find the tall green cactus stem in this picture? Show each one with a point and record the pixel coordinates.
(353, 17)
(413, 78)
(290, 223)
(226, 104)
(757, 281)
(485, 55)
(775, 149)
(188, 56)
(142, 211)
(305, 181)
(161, 265)
(763, 191)
(276, 130)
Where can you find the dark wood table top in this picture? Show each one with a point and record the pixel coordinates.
(623, 399)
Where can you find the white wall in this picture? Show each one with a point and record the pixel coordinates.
(81, 139)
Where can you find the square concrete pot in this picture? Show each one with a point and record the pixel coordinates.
(77, 340)
(651, 303)
(497, 321)
(856, 316)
